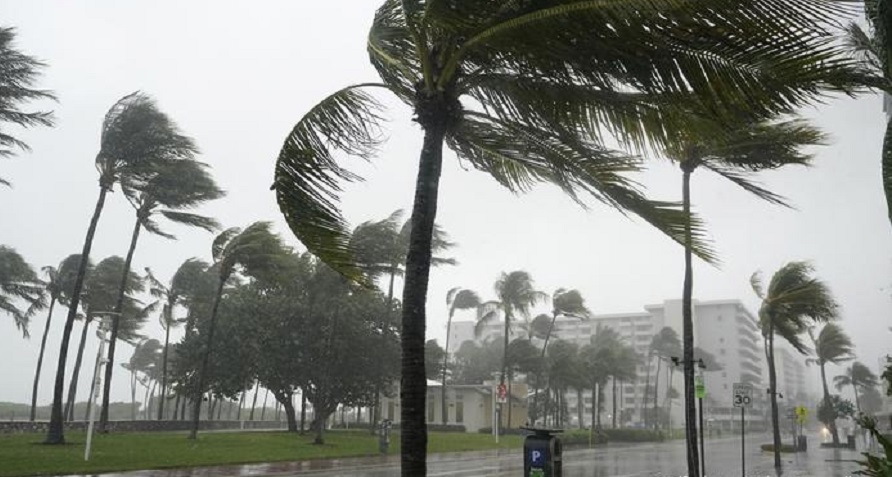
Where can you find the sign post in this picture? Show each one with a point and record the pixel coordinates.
(700, 391)
(743, 398)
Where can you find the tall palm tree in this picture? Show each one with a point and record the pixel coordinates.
(732, 154)
(134, 133)
(97, 301)
(254, 252)
(168, 297)
(663, 346)
(550, 77)
(857, 376)
(793, 301)
(168, 189)
(57, 287)
(17, 78)
(18, 281)
(516, 295)
(623, 369)
(456, 299)
(874, 48)
(831, 345)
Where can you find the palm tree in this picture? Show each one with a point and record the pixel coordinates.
(134, 133)
(254, 252)
(832, 345)
(793, 301)
(550, 76)
(168, 297)
(516, 295)
(873, 49)
(623, 369)
(663, 346)
(745, 148)
(168, 190)
(97, 300)
(18, 281)
(57, 286)
(857, 376)
(456, 299)
(17, 78)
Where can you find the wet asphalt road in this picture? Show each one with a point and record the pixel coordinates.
(644, 460)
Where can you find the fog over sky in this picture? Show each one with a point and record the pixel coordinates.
(237, 76)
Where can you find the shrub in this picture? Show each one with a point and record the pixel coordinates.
(875, 465)
(785, 448)
(634, 435)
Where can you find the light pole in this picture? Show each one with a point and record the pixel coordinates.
(101, 331)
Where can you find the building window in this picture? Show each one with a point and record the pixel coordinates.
(459, 412)
(430, 410)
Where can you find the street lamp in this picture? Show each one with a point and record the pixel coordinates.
(102, 329)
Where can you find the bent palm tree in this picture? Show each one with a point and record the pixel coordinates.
(516, 295)
(832, 345)
(793, 301)
(183, 284)
(549, 77)
(134, 132)
(255, 252)
(456, 299)
(169, 189)
(18, 281)
(57, 286)
(746, 148)
(857, 376)
(17, 76)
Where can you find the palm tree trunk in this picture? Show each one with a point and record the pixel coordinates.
(887, 167)
(303, 411)
(857, 401)
(772, 393)
(644, 416)
(613, 382)
(542, 358)
(445, 411)
(504, 372)
(413, 384)
(75, 373)
(834, 432)
(164, 371)
(254, 401)
(263, 409)
(55, 433)
(193, 433)
(176, 405)
(655, 415)
(46, 331)
(687, 320)
(116, 323)
(580, 407)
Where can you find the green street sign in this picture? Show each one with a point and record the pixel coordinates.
(699, 388)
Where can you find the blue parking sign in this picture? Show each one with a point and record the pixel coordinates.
(537, 457)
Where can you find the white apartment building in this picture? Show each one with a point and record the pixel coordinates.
(723, 328)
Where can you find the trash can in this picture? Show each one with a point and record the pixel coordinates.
(542, 453)
(802, 444)
(850, 441)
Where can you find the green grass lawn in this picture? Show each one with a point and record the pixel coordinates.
(23, 454)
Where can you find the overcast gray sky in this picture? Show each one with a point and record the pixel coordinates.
(236, 76)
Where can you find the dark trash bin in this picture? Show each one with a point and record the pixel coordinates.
(802, 444)
(850, 442)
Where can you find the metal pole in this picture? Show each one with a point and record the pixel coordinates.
(702, 442)
(742, 445)
(97, 386)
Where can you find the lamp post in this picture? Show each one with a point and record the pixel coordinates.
(102, 329)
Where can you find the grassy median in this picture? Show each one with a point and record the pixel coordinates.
(24, 455)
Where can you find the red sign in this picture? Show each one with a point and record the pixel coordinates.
(502, 393)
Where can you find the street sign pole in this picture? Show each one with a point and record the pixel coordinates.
(702, 441)
(742, 444)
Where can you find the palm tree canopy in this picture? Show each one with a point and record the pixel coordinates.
(857, 375)
(189, 282)
(832, 345)
(793, 300)
(171, 189)
(666, 343)
(136, 136)
(255, 251)
(735, 151)
(544, 106)
(461, 299)
(569, 303)
(18, 281)
(516, 295)
(101, 291)
(18, 73)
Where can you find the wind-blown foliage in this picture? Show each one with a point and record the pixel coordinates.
(792, 302)
(858, 376)
(832, 345)
(18, 282)
(18, 73)
(456, 299)
(524, 91)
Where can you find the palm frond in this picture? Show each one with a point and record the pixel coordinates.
(393, 51)
(192, 220)
(307, 179)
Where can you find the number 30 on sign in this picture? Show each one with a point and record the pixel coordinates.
(743, 395)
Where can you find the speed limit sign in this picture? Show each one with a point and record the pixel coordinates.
(743, 395)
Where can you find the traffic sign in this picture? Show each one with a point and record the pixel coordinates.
(502, 394)
(801, 414)
(699, 387)
(743, 395)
